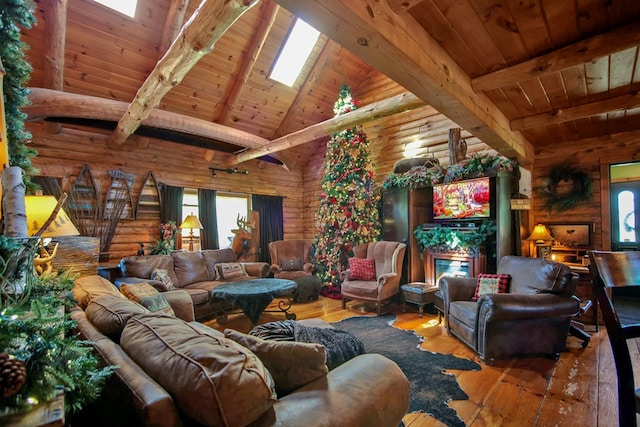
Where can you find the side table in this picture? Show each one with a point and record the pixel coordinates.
(418, 293)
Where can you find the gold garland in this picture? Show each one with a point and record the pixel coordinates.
(581, 191)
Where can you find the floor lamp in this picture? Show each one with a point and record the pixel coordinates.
(191, 222)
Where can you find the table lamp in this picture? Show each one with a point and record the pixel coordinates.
(191, 222)
(540, 235)
(39, 210)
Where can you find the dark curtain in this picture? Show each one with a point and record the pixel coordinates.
(271, 222)
(209, 219)
(171, 205)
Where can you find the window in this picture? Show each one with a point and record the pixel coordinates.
(625, 206)
(229, 207)
(294, 53)
(126, 7)
(190, 207)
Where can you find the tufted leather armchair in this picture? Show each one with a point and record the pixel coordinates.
(533, 318)
(291, 259)
(388, 257)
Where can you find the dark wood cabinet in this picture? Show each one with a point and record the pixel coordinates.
(403, 210)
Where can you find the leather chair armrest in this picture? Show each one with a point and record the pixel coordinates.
(457, 288)
(344, 275)
(275, 269)
(506, 307)
(181, 303)
(358, 390)
(307, 267)
(388, 279)
(257, 269)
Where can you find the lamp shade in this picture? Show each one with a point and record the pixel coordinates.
(191, 221)
(39, 209)
(540, 234)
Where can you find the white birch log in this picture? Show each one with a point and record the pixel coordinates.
(13, 205)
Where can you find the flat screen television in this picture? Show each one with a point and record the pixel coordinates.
(469, 199)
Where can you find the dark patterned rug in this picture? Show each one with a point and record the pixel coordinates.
(431, 388)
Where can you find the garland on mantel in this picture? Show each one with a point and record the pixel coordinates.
(581, 188)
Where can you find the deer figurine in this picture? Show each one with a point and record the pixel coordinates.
(241, 235)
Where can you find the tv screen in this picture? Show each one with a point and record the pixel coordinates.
(462, 199)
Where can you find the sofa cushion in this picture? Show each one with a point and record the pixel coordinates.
(189, 268)
(292, 364)
(109, 313)
(212, 379)
(491, 284)
(230, 270)
(291, 264)
(144, 266)
(162, 275)
(148, 297)
(362, 269)
(89, 287)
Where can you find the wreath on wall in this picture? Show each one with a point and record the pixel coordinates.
(567, 187)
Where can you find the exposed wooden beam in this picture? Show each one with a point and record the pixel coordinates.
(173, 24)
(397, 46)
(48, 103)
(619, 103)
(196, 39)
(399, 6)
(396, 104)
(253, 53)
(558, 60)
(55, 17)
(327, 52)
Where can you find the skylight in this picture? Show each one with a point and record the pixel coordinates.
(127, 7)
(294, 53)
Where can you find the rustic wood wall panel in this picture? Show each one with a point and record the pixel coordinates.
(64, 155)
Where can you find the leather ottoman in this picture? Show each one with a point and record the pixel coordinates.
(308, 288)
(418, 293)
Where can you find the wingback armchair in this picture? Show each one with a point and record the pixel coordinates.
(532, 318)
(384, 283)
(290, 259)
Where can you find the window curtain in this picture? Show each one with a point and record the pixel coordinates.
(271, 222)
(209, 219)
(171, 208)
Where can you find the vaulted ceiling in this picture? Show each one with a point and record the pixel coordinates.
(519, 75)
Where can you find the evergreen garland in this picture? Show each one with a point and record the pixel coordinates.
(348, 212)
(13, 15)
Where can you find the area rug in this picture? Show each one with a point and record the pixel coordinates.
(430, 388)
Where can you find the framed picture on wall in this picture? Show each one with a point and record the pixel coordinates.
(572, 235)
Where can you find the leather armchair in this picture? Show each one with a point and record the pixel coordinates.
(388, 257)
(532, 318)
(290, 259)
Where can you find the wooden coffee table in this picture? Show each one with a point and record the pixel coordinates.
(253, 296)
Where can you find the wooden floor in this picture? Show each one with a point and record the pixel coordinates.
(577, 390)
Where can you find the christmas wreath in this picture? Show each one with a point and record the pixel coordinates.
(578, 188)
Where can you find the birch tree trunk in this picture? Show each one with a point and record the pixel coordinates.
(13, 205)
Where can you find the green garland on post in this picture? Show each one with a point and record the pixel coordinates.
(581, 190)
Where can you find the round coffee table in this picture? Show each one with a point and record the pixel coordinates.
(253, 296)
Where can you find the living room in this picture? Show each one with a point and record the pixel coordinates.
(109, 56)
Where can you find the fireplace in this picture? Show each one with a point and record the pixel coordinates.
(460, 264)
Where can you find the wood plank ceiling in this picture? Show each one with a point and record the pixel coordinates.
(520, 75)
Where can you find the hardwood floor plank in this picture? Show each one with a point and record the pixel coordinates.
(579, 389)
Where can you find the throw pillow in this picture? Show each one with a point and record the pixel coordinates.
(109, 313)
(162, 275)
(294, 264)
(230, 270)
(491, 284)
(212, 379)
(291, 364)
(362, 269)
(147, 296)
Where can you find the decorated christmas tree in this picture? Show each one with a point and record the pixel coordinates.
(348, 212)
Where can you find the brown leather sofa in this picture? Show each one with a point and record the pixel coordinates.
(290, 259)
(193, 272)
(368, 390)
(532, 318)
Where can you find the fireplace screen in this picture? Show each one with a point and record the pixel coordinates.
(438, 264)
(451, 268)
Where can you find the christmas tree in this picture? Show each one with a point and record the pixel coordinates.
(348, 212)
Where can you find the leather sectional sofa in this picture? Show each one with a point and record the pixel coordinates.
(174, 371)
(194, 272)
